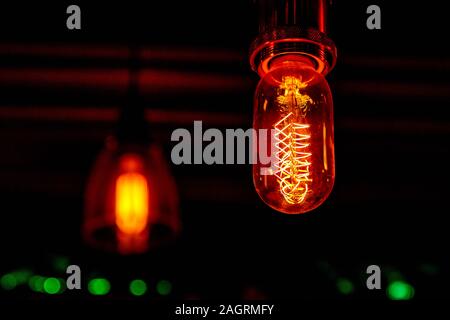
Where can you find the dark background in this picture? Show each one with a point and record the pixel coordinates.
(60, 92)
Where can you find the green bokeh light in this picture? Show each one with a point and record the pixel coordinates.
(400, 290)
(99, 286)
(8, 281)
(138, 287)
(52, 285)
(164, 287)
(344, 286)
(36, 283)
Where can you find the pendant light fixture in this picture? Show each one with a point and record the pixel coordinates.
(131, 201)
(292, 54)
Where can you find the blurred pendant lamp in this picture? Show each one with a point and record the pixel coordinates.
(131, 201)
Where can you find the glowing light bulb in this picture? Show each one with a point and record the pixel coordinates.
(131, 204)
(294, 102)
(131, 196)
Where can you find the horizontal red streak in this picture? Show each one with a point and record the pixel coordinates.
(150, 81)
(404, 63)
(385, 89)
(111, 114)
(169, 54)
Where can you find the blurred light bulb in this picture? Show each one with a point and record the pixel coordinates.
(131, 196)
(131, 200)
(294, 102)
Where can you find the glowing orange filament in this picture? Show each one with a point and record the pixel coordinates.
(131, 203)
(292, 142)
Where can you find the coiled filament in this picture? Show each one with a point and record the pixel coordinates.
(292, 142)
